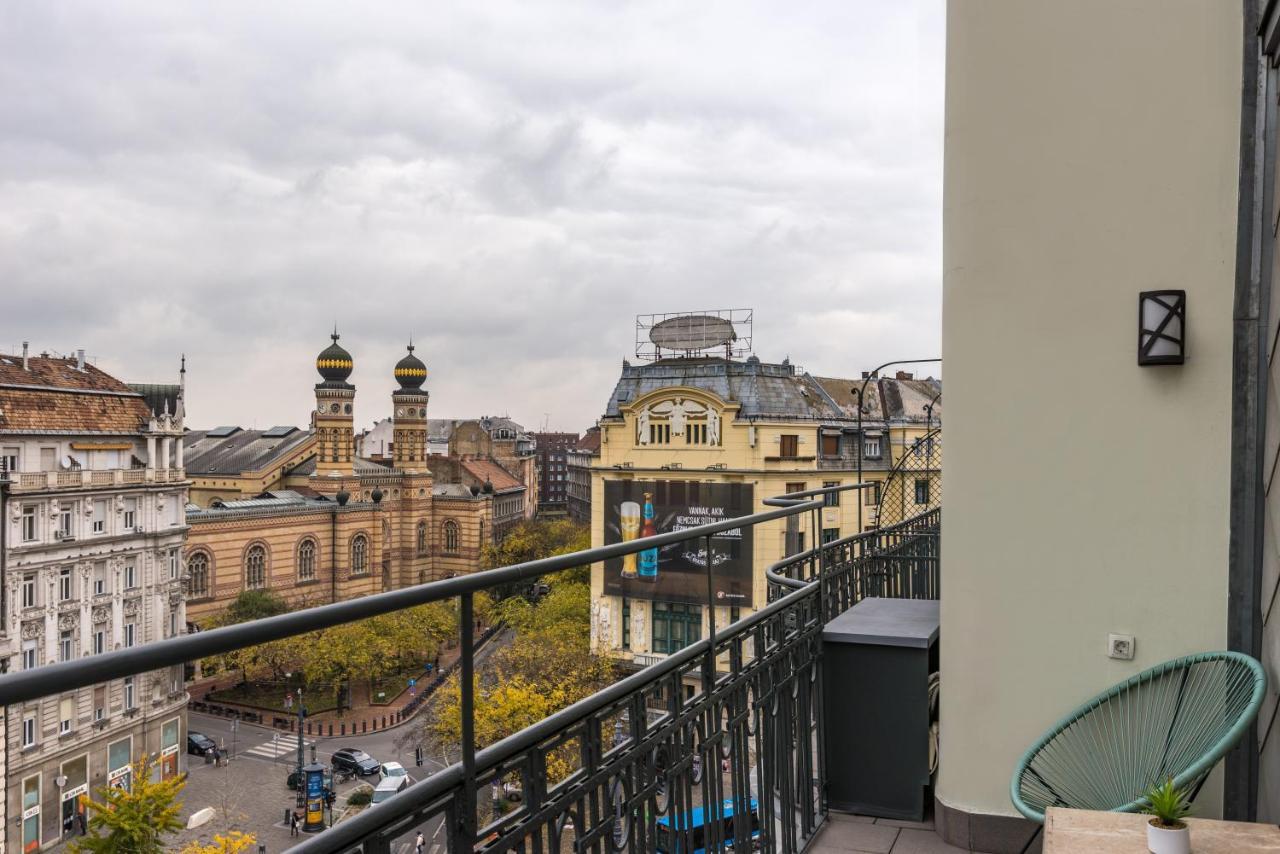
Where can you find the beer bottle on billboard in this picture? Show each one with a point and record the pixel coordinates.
(648, 557)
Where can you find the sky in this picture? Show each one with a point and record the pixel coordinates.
(509, 183)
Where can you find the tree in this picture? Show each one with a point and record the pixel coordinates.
(233, 843)
(548, 666)
(540, 538)
(133, 820)
(253, 605)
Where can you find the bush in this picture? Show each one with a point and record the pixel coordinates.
(360, 797)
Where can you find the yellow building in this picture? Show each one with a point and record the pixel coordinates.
(298, 513)
(701, 439)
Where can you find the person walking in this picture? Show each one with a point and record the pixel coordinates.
(293, 824)
(418, 843)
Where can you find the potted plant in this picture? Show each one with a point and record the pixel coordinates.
(1167, 833)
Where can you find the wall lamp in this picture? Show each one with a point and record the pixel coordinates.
(1162, 327)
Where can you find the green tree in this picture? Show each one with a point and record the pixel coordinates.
(253, 605)
(134, 820)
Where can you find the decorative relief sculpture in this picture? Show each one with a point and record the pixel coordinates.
(32, 629)
(101, 614)
(131, 607)
(68, 621)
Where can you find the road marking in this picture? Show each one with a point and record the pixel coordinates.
(275, 750)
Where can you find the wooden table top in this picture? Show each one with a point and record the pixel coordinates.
(1076, 831)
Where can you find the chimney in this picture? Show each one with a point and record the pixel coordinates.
(905, 375)
(26, 365)
(80, 360)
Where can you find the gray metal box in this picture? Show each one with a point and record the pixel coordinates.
(877, 657)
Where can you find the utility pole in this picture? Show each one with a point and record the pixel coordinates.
(302, 714)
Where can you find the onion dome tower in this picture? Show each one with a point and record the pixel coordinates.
(335, 399)
(409, 414)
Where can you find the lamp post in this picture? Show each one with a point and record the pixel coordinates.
(861, 392)
(302, 714)
(61, 782)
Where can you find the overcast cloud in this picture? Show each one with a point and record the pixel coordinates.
(509, 182)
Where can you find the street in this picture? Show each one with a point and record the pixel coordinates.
(253, 785)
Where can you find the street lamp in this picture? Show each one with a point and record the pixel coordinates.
(861, 392)
(302, 714)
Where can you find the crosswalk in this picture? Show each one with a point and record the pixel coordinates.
(407, 848)
(285, 748)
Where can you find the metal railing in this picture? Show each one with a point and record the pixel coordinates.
(731, 721)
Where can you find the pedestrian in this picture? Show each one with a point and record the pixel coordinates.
(293, 823)
(418, 843)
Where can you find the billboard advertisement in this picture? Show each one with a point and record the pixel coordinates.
(678, 572)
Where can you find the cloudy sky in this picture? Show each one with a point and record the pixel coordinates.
(508, 182)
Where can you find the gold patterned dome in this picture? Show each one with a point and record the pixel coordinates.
(334, 363)
(410, 371)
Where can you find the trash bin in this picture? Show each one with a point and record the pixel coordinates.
(877, 657)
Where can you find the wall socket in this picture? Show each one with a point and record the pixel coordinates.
(1120, 646)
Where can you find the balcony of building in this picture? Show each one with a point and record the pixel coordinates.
(83, 478)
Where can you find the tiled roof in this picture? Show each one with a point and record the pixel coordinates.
(53, 395)
(590, 442)
(242, 451)
(483, 470)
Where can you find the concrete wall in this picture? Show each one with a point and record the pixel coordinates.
(1091, 153)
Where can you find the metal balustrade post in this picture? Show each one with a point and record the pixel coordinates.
(467, 811)
(709, 667)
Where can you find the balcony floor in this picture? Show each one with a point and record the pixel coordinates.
(860, 834)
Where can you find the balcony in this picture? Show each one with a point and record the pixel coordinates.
(642, 743)
(45, 481)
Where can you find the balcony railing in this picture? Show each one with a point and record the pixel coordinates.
(43, 481)
(647, 752)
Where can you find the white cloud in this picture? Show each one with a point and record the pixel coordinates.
(508, 182)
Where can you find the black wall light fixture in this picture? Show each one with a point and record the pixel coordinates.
(1162, 327)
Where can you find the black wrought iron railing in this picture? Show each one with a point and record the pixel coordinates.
(718, 743)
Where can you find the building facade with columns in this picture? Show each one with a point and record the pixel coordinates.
(95, 524)
(303, 514)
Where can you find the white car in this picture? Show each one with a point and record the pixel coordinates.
(391, 769)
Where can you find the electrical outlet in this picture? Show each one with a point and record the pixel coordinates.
(1120, 646)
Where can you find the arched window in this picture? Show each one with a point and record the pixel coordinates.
(198, 575)
(422, 538)
(451, 536)
(307, 560)
(359, 555)
(255, 568)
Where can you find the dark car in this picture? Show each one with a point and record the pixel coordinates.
(198, 744)
(355, 761)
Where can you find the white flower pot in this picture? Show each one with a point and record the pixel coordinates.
(1164, 840)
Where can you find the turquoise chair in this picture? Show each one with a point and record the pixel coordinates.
(1175, 720)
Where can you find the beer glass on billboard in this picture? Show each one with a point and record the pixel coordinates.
(629, 519)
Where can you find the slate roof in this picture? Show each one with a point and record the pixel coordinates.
(763, 390)
(160, 397)
(483, 470)
(451, 490)
(887, 398)
(242, 451)
(52, 395)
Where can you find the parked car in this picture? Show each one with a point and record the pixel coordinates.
(388, 787)
(512, 790)
(392, 769)
(198, 744)
(355, 761)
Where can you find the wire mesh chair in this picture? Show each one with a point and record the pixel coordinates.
(1175, 720)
